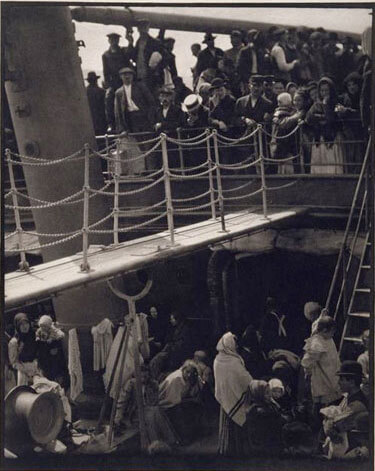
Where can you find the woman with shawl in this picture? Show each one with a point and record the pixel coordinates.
(232, 382)
(327, 151)
(22, 350)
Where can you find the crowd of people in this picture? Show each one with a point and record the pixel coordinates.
(282, 78)
(254, 391)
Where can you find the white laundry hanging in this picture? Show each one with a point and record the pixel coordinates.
(102, 338)
(74, 365)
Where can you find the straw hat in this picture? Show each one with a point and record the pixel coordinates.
(31, 418)
(191, 103)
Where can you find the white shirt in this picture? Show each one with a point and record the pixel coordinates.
(128, 92)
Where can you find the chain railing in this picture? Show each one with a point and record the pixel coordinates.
(208, 146)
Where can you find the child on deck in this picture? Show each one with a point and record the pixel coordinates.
(321, 362)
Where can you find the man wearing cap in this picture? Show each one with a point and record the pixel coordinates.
(268, 81)
(221, 106)
(284, 59)
(113, 60)
(354, 405)
(253, 108)
(168, 116)
(209, 57)
(134, 104)
(249, 58)
(316, 43)
(237, 44)
(96, 97)
(148, 54)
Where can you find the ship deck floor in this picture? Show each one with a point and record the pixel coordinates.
(49, 278)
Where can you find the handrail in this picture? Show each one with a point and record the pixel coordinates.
(348, 224)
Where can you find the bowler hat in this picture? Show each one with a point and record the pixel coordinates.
(350, 368)
(191, 103)
(256, 79)
(31, 418)
(208, 37)
(126, 70)
(217, 83)
(236, 33)
(114, 35)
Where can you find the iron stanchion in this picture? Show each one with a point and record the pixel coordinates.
(180, 152)
(219, 183)
(23, 265)
(86, 197)
(210, 177)
(262, 173)
(116, 177)
(167, 187)
(108, 152)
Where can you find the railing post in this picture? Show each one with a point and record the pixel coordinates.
(180, 152)
(23, 265)
(262, 173)
(367, 209)
(210, 176)
(167, 187)
(219, 183)
(344, 281)
(108, 153)
(301, 156)
(86, 196)
(116, 177)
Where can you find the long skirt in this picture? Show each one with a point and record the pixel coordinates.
(233, 440)
(327, 159)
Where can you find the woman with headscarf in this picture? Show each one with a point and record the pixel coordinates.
(353, 130)
(232, 382)
(264, 420)
(22, 350)
(327, 152)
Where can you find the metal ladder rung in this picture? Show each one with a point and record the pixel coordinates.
(353, 339)
(365, 267)
(363, 290)
(363, 315)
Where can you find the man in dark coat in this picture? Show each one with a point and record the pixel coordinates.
(209, 57)
(113, 60)
(96, 97)
(268, 81)
(134, 104)
(250, 57)
(148, 54)
(195, 121)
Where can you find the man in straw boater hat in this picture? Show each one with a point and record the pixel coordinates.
(209, 57)
(114, 59)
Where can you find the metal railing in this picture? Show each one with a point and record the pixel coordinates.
(214, 199)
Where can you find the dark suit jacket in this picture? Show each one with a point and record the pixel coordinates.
(173, 120)
(113, 62)
(144, 100)
(224, 111)
(96, 96)
(245, 62)
(152, 45)
(244, 109)
(206, 60)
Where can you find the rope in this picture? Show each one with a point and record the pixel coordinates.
(43, 246)
(46, 205)
(248, 195)
(130, 228)
(40, 159)
(281, 137)
(186, 177)
(239, 139)
(195, 208)
(45, 162)
(239, 167)
(97, 223)
(10, 235)
(63, 234)
(130, 192)
(184, 143)
(189, 139)
(190, 169)
(281, 186)
(193, 198)
(237, 187)
(146, 208)
(8, 194)
(287, 159)
(149, 175)
(132, 159)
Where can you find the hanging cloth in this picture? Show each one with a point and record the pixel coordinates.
(74, 365)
(102, 341)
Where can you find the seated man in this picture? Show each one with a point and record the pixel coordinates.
(341, 422)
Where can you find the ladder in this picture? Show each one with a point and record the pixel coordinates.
(350, 295)
(358, 316)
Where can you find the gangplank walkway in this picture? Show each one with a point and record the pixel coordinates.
(59, 275)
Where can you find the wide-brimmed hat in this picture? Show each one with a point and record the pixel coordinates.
(208, 37)
(350, 368)
(113, 35)
(256, 79)
(191, 103)
(31, 418)
(92, 76)
(217, 83)
(126, 70)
